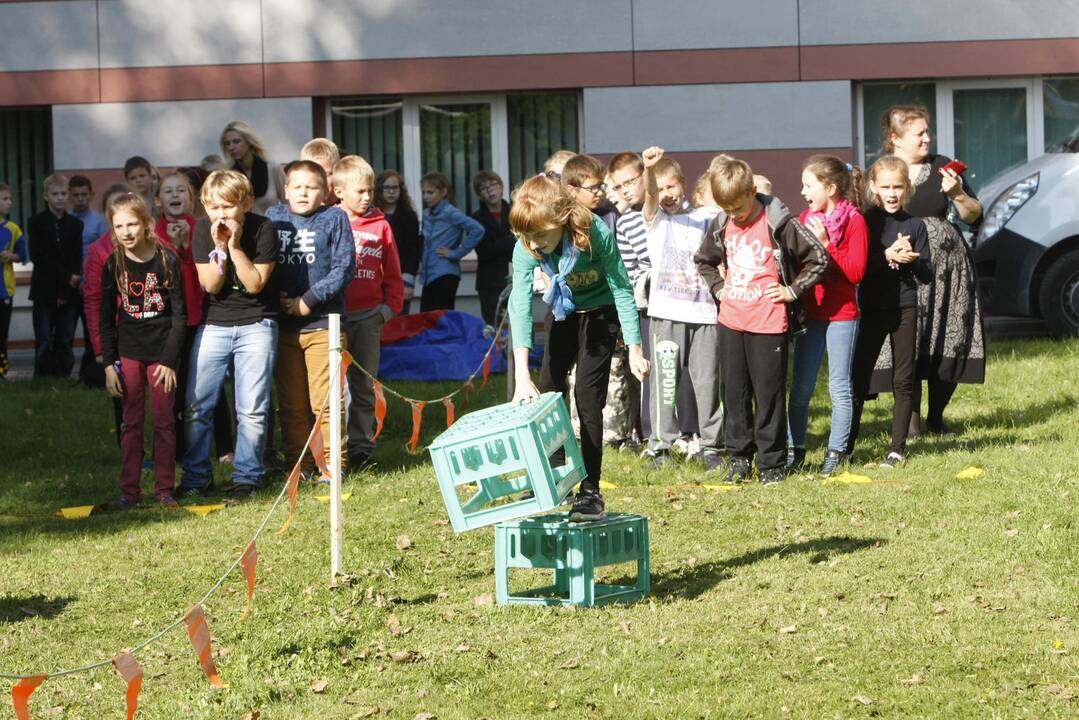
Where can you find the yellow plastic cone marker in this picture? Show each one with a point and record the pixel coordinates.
(970, 473)
(203, 510)
(848, 478)
(76, 513)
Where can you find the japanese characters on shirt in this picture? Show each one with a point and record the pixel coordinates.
(297, 246)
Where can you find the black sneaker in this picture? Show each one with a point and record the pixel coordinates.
(239, 492)
(588, 506)
(796, 458)
(771, 476)
(832, 458)
(737, 471)
(657, 458)
(194, 492)
(361, 462)
(713, 460)
(893, 460)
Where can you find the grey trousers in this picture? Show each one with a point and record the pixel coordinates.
(364, 343)
(679, 347)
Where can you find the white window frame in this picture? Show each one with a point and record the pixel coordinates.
(945, 112)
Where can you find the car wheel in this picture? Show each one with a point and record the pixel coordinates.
(1059, 296)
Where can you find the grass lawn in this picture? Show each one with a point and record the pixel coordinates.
(917, 595)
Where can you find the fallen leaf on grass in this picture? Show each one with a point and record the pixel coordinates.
(788, 629)
(405, 656)
(862, 699)
(484, 599)
(1063, 693)
(571, 664)
(553, 705)
(365, 712)
(462, 648)
(970, 473)
(625, 626)
(253, 715)
(425, 716)
(404, 542)
(939, 609)
(1011, 533)
(913, 680)
(319, 686)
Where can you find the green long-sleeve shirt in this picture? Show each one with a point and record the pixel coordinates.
(598, 278)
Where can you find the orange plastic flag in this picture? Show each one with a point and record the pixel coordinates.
(199, 633)
(486, 368)
(467, 389)
(293, 493)
(316, 445)
(380, 407)
(417, 422)
(20, 694)
(131, 672)
(249, 562)
(450, 410)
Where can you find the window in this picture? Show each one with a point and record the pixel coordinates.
(25, 158)
(990, 126)
(458, 135)
(1060, 106)
(371, 128)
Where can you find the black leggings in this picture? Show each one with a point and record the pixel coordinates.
(876, 326)
(587, 339)
(440, 293)
(940, 394)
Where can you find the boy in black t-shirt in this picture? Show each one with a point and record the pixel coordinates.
(235, 253)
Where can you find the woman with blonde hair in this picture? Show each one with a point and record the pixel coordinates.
(243, 150)
(590, 297)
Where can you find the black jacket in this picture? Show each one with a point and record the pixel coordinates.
(800, 257)
(495, 249)
(56, 251)
(406, 233)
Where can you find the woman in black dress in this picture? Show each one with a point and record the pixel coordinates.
(951, 341)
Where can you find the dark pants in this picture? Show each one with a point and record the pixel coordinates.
(54, 332)
(91, 372)
(754, 368)
(138, 381)
(940, 394)
(440, 293)
(876, 326)
(489, 306)
(587, 339)
(5, 323)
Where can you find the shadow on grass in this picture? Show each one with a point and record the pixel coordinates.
(692, 582)
(15, 608)
(16, 532)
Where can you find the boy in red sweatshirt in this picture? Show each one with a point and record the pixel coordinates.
(374, 296)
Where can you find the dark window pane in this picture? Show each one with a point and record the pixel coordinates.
(25, 158)
(371, 128)
(539, 124)
(1060, 100)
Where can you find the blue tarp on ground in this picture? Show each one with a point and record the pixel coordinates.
(438, 345)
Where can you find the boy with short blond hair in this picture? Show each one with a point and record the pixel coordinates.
(315, 263)
(758, 260)
(12, 250)
(235, 252)
(374, 295)
(56, 251)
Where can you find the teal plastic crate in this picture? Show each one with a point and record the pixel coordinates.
(486, 462)
(573, 551)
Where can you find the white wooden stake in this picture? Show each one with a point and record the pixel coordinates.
(336, 533)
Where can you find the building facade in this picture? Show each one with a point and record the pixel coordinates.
(463, 85)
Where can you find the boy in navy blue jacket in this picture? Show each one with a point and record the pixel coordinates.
(315, 262)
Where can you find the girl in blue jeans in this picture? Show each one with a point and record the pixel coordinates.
(832, 189)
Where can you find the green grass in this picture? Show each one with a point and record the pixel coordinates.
(918, 595)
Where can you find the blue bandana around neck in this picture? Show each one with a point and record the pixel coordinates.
(559, 295)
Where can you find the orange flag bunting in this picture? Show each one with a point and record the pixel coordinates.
(199, 633)
(293, 493)
(20, 694)
(450, 410)
(467, 389)
(417, 422)
(316, 445)
(486, 369)
(131, 672)
(249, 562)
(380, 407)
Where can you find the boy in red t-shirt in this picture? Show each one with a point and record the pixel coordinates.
(375, 295)
(758, 260)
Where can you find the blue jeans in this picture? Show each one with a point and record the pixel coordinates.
(252, 349)
(839, 337)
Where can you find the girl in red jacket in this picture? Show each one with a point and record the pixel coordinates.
(833, 190)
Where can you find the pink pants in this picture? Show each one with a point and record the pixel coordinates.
(137, 377)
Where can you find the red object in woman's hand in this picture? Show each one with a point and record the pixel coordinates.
(957, 166)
